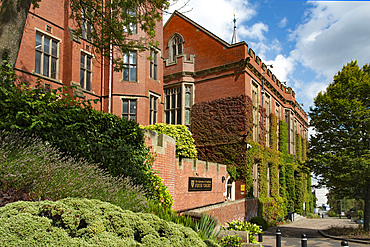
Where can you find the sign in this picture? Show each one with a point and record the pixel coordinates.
(200, 184)
(242, 187)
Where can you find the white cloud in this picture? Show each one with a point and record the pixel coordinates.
(282, 67)
(334, 34)
(217, 15)
(283, 22)
(257, 31)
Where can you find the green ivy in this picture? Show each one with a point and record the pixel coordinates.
(184, 141)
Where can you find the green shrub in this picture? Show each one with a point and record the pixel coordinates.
(258, 220)
(168, 214)
(331, 213)
(83, 222)
(360, 214)
(205, 227)
(252, 229)
(231, 241)
(30, 165)
(185, 146)
(72, 126)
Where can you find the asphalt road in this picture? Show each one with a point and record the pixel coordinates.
(291, 233)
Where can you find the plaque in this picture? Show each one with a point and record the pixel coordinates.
(200, 184)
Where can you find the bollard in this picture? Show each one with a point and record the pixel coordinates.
(304, 240)
(278, 238)
(260, 235)
(344, 243)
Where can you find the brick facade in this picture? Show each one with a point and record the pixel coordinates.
(51, 20)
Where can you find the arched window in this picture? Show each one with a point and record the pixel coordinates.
(176, 46)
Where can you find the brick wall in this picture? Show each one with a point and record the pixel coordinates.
(176, 173)
(242, 209)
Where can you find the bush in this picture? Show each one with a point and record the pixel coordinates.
(72, 126)
(36, 168)
(185, 146)
(331, 213)
(258, 220)
(231, 241)
(83, 222)
(252, 229)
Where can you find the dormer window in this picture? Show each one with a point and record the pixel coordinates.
(176, 46)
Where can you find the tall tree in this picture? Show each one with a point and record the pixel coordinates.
(110, 23)
(339, 151)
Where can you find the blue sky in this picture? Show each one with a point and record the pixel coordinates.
(307, 42)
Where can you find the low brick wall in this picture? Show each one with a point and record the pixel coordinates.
(176, 173)
(242, 209)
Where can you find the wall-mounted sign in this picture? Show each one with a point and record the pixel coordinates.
(242, 187)
(200, 184)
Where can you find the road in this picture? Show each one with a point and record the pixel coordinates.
(291, 233)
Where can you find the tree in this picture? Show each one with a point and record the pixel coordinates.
(339, 151)
(109, 24)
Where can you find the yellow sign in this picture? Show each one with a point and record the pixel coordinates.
(242, 187)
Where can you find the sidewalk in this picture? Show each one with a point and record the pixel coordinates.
(291, 233)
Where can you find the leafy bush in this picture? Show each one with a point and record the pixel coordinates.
(83, 222)
(168, 214)
(231, 241)
(331, 213)
(360, 214)
(72, 126)
(185, 146)
(30, 165)
(258, 220)
(252, 229)
(205, 227)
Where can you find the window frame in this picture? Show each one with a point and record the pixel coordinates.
(154, 101)
(176, 47)
(128, 114)
(86, 70)
(40, 70)
(129, 66)
(154, 64)
(131, 27)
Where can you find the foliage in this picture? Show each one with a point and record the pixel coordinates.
(73, 127)
(83, 222)
(315, 216)
(184, 141)
(205, 227)
(220, 129)
(283, 137)
(270, 208)
(260, 221)
(231, 241)
(339, 151)
(252, 229)
(168, 214)
(30, 165)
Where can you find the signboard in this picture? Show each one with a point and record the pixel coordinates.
(242, 187)
(200, 184)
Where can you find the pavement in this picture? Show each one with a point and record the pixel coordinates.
(291, 233)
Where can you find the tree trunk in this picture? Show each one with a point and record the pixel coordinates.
(13, 16)
(367, 206)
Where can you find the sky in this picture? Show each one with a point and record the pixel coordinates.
(307, 42)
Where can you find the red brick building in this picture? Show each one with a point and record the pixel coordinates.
(200, 67)
(50, 50)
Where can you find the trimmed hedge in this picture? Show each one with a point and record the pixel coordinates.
(83, 222)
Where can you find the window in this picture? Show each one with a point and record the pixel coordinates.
(86, 29)
(188, 104)
(46, 56)
(130, 26)
(176, 46)
(173, 105)
(153, 109)
(85, 72)
(153, 64)
(129, 66)
(255, 103)
(267, 121)
(129, 109)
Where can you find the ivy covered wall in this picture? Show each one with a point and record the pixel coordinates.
(222, 129)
